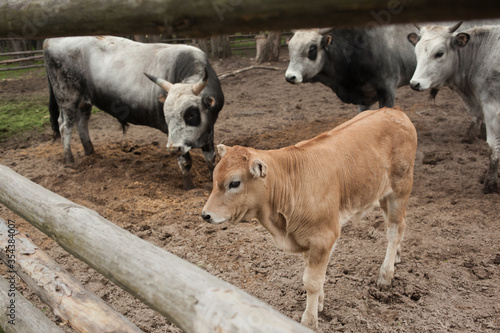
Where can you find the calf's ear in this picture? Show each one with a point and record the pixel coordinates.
(326, 40)
(258, 168)
(461, 39)
(222, 149)
(413, 38)
(209, 102)
(161, 98)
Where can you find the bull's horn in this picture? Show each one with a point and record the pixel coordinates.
(455, 27)
(200, 85)
(164, 84)
(324, 31)
(417, 26)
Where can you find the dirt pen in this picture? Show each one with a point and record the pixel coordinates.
(449, 276)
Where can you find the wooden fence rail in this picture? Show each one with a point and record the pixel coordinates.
(51, 18)
(182, 292)
(81, 309)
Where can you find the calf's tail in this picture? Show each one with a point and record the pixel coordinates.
(54, 113)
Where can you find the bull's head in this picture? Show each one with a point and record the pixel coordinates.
(307, 50)
(186, 112)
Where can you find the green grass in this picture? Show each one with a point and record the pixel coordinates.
(20, 72)
(20, 114)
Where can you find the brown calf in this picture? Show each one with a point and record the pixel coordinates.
(303, 194)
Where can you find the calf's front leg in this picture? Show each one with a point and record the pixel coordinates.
(185, 163)
(316, 261)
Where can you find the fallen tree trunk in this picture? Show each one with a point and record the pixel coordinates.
(25, 318)
(185, 294)
(81, 309)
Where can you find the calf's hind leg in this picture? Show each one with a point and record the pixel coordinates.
(394, 212)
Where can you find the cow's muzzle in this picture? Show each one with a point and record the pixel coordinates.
(176, 150)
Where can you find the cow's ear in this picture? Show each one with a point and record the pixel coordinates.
(258, 168)
(161, 98)
(413, 38)
(222, 149)
(209, 102)
(326, 40)
(461, 39)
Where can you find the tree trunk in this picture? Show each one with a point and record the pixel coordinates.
(268, 47)
(221, 48)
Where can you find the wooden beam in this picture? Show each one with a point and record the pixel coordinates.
(185, 294)
(13, 61)
(81, 309)
(25, 318)
(50, 18)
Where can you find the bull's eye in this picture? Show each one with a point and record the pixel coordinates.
(313, 52)
(234, 184)
(192, 116)
(438, 55)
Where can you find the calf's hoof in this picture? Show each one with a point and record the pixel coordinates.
(310, 321)
(384, 281)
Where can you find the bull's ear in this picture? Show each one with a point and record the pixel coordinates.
(161, 98)
(222, 149)
(326, 40)
(209, 102)
(258, 168)
(461, 39)
(413, 38)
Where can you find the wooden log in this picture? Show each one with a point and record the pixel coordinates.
(13, 61)
(9, 54)
(19, 68)
(25, 318)
(185, 294)
(50, 18)
(81, 309)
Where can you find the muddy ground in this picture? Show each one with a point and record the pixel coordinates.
(448, 280)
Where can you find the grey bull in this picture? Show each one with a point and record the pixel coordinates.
(108, 72)
(362, 66)
(469, 63)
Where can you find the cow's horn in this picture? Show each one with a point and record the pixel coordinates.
(200, 85)
(164, 84)
(417, 26)
(455, 27)
(324, 31)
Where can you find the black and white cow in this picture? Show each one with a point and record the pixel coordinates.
(362, 66)
(108, 72)
(469, 63)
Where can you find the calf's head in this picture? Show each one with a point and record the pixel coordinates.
(436, 49)
(239, 187)
(187, 113)
(307, 50)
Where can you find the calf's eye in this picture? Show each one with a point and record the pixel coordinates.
(438, 55)
(234, 184)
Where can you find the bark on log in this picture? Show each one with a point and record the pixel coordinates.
(50, 18)
(81, 309)
(185, 294)
(26, 318)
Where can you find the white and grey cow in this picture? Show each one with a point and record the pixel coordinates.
(362, 66)
(108, 72)
(469, 63)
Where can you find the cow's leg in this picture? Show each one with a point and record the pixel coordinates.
(209, 153)
(386, 97)
(492, 121)
(83, 128)
(394, 214)
(474, 130)
(316, 261)
(67, 118)
(362, 107)
(185, 163)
